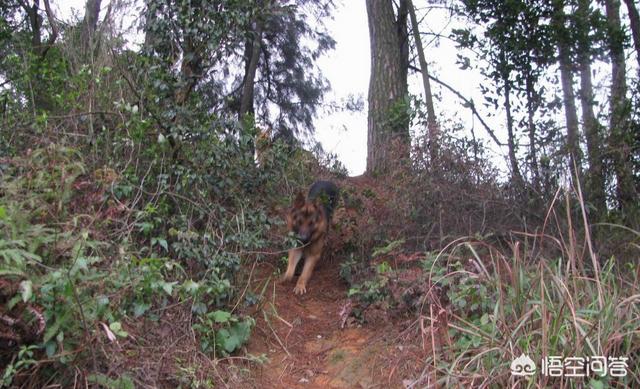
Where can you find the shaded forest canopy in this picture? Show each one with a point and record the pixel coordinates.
(143, 189)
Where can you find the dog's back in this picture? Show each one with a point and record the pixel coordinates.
(327, 192)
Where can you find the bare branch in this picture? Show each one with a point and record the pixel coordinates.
(471, 106)
(54, 26)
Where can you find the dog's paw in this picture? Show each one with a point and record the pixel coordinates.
(300, 289)
(284, 279)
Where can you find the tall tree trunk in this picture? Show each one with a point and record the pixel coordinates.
(595, 184)
(190, 73)
(568, 95)
(620, 149)
(252, 56)
(88, 43)
(532, 106)
(252, 50)
(511, 141)
(387, 117)
(634, 22)
(90, 22)
(42, 99)
(432, 123)
(403, 38)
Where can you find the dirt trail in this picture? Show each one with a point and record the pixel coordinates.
(302, 338)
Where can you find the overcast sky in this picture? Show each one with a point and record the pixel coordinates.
(347, 68)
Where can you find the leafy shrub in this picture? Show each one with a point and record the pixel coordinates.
(57, 266)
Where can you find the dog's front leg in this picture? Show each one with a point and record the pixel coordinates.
(309, 263)
(294, 258)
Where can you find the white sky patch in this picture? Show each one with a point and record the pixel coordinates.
(347, 68)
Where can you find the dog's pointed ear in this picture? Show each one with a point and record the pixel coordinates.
(299, 201)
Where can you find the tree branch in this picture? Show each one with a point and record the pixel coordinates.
(470, 104)
(54, 28)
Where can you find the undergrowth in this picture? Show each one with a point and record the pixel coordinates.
(542, 295)
(89, 251)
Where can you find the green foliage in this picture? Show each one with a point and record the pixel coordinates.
(223, 332)
(373, 289)
(393, 245)
(349, 269)
(122, 382)
(129, 187)
(24, 361)
(80, 281)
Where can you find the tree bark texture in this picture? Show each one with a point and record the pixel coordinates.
(595, 183)
(513, 160)
(387, 118)
(252, 56)
(568, 95)
(90, 22)
(634, 23)
(620, 148)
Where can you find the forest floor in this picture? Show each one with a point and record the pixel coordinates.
(309, 344)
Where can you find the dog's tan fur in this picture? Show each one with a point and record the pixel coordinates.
(307, 216)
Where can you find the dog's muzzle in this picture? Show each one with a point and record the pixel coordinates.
(304, 238)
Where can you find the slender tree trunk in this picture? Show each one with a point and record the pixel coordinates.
(88, 43)
(190, 72)
(568, 95)
(620, 110)
(252, 54)
(35, 22)
(387, 118)
(432, 123)
(595, 184)
(634, 22)
(41, 97)
(403, 38)
(532, 105)
(90, 22)
(511, 141)
(252, 57)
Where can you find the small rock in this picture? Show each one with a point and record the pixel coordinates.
(303, 380)
(319, 336)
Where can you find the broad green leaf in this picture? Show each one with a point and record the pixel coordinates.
(191, 287)
(116, 327)
(168, 287)
(139, 309)
(221, 316)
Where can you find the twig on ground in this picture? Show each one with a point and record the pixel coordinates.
(266, 319)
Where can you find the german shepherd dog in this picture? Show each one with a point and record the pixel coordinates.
(309, 219)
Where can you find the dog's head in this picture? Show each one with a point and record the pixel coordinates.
(306, 219)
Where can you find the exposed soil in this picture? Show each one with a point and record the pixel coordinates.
(306, 347)
(310, 341)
